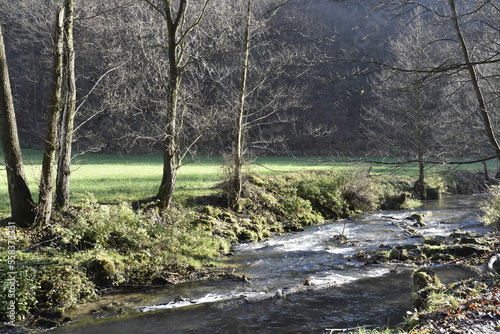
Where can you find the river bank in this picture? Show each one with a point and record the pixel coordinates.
(344, 291)
(114, 244)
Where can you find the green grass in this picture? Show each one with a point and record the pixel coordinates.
(114, 177)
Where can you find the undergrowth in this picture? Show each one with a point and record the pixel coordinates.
(491, 208)
(96, 245)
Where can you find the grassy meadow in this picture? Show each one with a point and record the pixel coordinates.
(112, 177)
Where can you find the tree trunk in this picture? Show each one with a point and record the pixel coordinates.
(21, 202)
(236, 182)
(419, 187)
(167, 186)
(171, 143)
(475, 83)
(68, 117)
(51, 140)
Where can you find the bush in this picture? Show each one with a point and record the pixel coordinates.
(491, 208)
(34, 283)
(18, 292)
(324, 192)
(361, 192)
(465, 182)
(63, 287)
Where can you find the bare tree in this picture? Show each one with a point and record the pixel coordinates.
(483, 105)
(468, 30)
(405, 121)
(260, 90)
(68, 115)
(51, 139)
(236, 180)
(21, 202)
(181, 19)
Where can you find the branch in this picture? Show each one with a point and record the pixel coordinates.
(428, 162)
(85, 98)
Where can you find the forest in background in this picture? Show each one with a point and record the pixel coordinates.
(326, 53)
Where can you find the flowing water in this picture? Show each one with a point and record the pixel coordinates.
(345, 292)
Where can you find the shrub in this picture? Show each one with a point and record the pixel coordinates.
(324, 192)
(361, 192)
(491, 208)
(34, 283)
(63, 287)
(18, 291)
(464, 182)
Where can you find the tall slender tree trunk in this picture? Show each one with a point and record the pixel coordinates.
(21, 202)
(171, 143)
(483, 110)
(419, 187)
(51, 140)
(236, 182)
(68, 117)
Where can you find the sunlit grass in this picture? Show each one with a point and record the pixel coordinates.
(113, 177)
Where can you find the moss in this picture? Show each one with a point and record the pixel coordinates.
(433, 241)
(418, 218)
(211, 211)
(104, 270)
(247, 235)
(400, 254)
(396, 201)
(425, 281)
(205, 222)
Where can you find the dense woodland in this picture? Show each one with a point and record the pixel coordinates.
(413, 79)
(305, 47)
(325, 53)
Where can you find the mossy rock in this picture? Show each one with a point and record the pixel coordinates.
(433, 241)
(248, 235)
(396, 202)
(207, 223)
(442, 257)
(400, 254)
(467, 250)
(417, 217)
(432, 193)
(424, 281)
(103, 270)
(425, 278)
(431, 250)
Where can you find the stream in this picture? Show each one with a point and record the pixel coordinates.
(344, 293)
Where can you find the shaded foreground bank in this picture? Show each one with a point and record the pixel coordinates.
(282, 263)
(95, 246)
